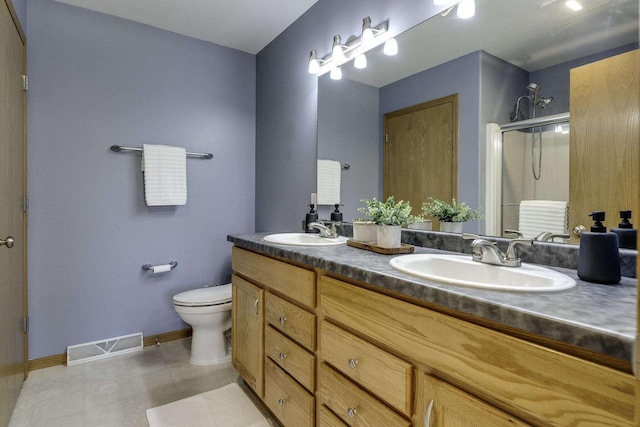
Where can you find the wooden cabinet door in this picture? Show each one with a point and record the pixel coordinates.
(248, 333)
(439, 404)
(604, 148)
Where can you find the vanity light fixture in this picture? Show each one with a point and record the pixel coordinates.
(466, 9)
(337, 54)
(336, 73)
(390, 47)
(361, 60)
(573, 5)
(354, 48)
(314, 62)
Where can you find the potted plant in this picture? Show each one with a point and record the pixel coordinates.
(451, 215)
(389, 217)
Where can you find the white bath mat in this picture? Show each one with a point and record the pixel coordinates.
(227, 406)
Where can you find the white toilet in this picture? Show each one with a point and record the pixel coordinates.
(208, 311)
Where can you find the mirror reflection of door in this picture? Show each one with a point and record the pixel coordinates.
(605, 107)
(421, 152)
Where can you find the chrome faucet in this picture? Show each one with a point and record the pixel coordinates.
(547, 236)
(330, 233)
(487, 252)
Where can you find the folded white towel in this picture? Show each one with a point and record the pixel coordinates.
(537, 216)
(165, 175)
(328, 186)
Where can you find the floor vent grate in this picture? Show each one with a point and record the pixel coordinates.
(96, 350)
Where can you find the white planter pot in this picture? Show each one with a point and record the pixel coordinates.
(451, 227)
(365, 232)
(425, 225)
(389, 236)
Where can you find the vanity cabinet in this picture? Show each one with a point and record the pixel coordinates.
(361, 357)
(289, 330)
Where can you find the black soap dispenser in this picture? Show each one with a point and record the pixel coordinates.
(627, 235)
(336, 215)
(599, 259)
(312, 216)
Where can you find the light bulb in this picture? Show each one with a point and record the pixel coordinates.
(336, 73)
(337, 54)
(390, 47)
(360, 62)
(466, 9)
(314, 64)
(367, 33)
(573, 5)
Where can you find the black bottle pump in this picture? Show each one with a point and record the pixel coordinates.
(336, 215)
(599, 259)
(312, 216)
(627, 235)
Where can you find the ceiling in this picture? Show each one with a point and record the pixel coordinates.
(246, 25)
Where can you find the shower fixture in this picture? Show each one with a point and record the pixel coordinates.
(535, 101)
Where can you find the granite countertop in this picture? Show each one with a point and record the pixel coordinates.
(598, 318)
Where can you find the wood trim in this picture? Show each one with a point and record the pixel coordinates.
(61, 359)
(166, 337)
(16, 21)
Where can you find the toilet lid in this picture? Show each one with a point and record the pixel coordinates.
(204, 296)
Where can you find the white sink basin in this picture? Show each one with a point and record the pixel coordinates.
(303, 239)
(462, 270)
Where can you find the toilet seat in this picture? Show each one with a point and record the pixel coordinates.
(203, 297)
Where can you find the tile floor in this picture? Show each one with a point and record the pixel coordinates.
(115, 391)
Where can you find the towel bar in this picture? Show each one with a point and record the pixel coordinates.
(119, 148)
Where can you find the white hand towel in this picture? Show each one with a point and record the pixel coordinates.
(537, 216)
(329, 173)
(165, 175)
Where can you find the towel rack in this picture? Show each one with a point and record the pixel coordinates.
(119, 148)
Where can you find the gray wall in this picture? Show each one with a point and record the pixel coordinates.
(96, 80)
(287, 101)
(20, 6)
(348, 132)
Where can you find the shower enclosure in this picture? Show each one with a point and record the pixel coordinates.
(518, 156)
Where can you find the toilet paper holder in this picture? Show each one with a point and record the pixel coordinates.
(149, 267)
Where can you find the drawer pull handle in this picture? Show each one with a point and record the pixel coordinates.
(255, 307)
(353, 363)
(352, 412)
(427, 415)
(282, 356)
(282, 320)
(282, 402)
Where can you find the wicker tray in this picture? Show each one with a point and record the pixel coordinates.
(403, 249)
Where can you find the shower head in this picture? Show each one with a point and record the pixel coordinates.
(544, 102)
(532, 87)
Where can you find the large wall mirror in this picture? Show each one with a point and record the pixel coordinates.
(489, 61)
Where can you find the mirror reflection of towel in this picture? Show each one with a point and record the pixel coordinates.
(537, 216)
(165, 175)
(328, 185)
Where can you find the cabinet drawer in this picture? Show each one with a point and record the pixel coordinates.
(353, 405)
(294, 282)
(383, 374)
(288, 400)
(299, 363)
(328, 418)
(296, 323)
